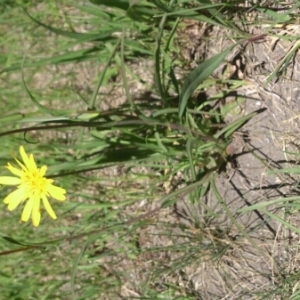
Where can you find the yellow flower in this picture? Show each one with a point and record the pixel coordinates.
(31, 186)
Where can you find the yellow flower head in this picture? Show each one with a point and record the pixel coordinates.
(31, 186)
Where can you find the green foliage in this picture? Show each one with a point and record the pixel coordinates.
(53, 105)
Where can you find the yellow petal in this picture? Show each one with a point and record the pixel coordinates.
(21, 165)
(27, 192)
(18, 193)
(36, 215)
(9, 180)
(49, 208)
(56, 192)
(32, 162)
(28, 160)
(27, 210)
(14, 199)
(43, 171)
(14, 170)
(24, 156)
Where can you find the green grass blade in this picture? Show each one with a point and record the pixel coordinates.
(80, 37)
(197, 76)
(36, 103)
(171, 198)
(232, 127)
(69, 57)
(101, 79)
(157, 57)
(121, 4)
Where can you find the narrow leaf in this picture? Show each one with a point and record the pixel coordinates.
(197, 76)
(122, 4)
